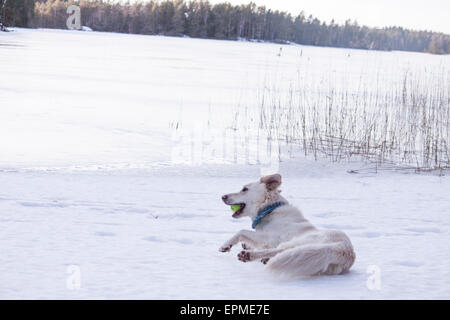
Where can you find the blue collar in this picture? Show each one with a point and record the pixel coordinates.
(265, 211)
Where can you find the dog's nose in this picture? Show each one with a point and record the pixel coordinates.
(224, 197)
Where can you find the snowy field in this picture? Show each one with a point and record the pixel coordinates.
(89, 189)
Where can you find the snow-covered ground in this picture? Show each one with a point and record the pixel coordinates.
(89, 190)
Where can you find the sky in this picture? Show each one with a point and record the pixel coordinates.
(431, 15)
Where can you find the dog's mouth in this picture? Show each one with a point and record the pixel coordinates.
(239, 211)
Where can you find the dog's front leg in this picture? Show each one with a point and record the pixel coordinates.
(250, 237)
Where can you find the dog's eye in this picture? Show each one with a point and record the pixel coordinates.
(244, 189)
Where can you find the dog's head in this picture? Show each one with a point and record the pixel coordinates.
(254, 196)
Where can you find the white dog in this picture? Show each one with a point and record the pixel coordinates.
(283, 238)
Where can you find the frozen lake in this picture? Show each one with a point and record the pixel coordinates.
(88, 181)
(89, 99)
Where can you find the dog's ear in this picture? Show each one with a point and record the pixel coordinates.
(272, 182)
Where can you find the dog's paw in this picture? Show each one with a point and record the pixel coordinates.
(244, 256)
(265, 260)
(225, 248)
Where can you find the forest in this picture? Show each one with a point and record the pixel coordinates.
(201, 19)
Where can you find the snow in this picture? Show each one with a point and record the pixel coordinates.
(88, 181)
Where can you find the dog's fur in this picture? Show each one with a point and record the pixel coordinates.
(284, 239)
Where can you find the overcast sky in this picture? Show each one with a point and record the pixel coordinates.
(414, 14)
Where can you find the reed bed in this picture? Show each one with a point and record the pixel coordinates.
(404, 123)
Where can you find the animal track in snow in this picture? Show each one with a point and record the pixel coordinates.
(370, 234)
(156, 239)
(344, 227)
(105, 234)
(44, 205)
(330, 214)
(423, 230)
(408, 263)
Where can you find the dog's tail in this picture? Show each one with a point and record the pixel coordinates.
(313, 259)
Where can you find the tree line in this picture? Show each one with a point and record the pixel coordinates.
(202, 19)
